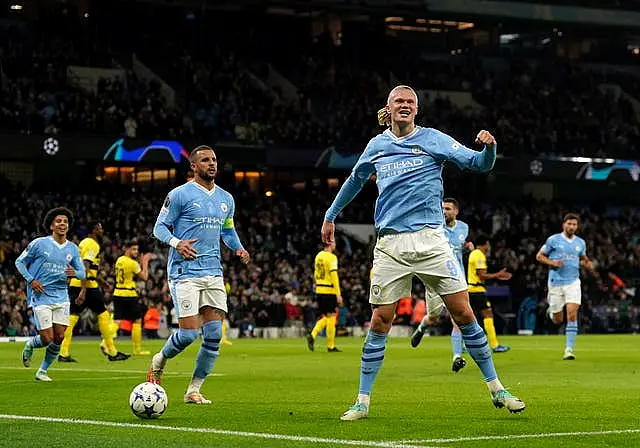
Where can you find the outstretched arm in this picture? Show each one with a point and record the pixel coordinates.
(360, 174)
(452, 151)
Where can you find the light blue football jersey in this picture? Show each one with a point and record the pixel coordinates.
(457, 236)
(193, 212)
(558, 247)
(409, 178)
(45, 260)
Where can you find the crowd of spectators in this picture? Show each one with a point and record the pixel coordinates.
(220, 75)
(281, 233)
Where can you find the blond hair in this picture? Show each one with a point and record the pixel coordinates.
(384, 116)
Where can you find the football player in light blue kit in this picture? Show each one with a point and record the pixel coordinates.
(192, 220)
(46, 264)
(407, 160)
(564, 253)
(457, 233)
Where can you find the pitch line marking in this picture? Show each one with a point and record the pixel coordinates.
(260, 435)
(140, 372)
(526, 436)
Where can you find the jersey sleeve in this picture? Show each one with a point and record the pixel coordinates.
(446, 149)
(78, 265)
(547, 247)
(481, 261)
(135, 267)
(333, 272)
(583, 249)
(28, 255)
(465, 231)
(228, 221)
(359, 176)
(229, 235)
(89, 250)
(166, 218)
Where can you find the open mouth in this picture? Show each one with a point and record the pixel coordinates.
(405, 113)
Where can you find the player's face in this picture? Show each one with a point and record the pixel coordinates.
(134, 251)
(60, 225)
(570, 226)
(403, 105)
(205, 165)
(450, 212)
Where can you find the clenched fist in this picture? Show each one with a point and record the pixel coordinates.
(485, 138)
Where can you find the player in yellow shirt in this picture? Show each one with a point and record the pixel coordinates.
(476, 276)
(327, 288)
(126, 305)
(87, 293)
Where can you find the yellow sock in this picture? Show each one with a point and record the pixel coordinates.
(136, 337)
(68, 335)
(318, 327)
(224, 339)
(491, 332)
(331, 331)
(107, 339)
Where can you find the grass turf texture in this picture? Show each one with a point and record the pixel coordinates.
(279, 387)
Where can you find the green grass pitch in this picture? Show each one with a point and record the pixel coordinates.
(275, 393)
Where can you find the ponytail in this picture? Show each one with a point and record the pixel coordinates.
(384, 117)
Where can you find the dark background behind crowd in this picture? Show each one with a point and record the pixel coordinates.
(220, 70)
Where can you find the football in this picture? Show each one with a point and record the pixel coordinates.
(148, 400)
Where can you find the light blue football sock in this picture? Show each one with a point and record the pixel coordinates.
(456, 343)
(476, 342)
(372, 357)
(178, 341)
(52, 352)
(209, 350)
(571, 332)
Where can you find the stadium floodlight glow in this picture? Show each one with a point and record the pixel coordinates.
(15, 7)
(122, 154)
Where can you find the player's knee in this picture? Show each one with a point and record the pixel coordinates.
(46, 339)
(189, 323)
(381, 323)
(557, 318)
(462, 316)
(58, 338)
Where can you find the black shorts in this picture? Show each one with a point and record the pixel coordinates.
(94, 300)
(479, 302)
(126, 308)
(327, 303)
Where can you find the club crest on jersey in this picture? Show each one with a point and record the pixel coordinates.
(224, 207)
(69, 257)
(416, 150)
(461, 237)
(577, 248)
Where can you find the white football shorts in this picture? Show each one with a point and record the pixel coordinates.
(434, 302)
(191, 294)
(47, 315)
(559, 296)
(426, 253)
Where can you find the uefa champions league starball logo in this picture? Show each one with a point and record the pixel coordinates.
(51, 146)
(536, 167)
